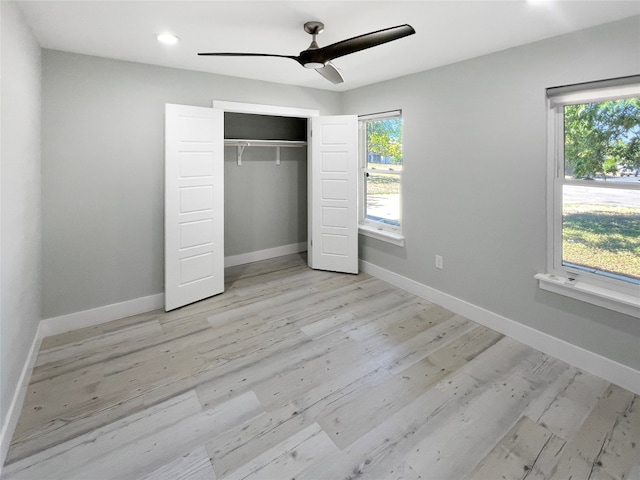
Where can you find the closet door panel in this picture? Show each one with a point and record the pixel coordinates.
(194, 204)
(334, 194)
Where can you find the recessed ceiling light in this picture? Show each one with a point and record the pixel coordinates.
(167, 38)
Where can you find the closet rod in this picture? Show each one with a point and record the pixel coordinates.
(242, 143)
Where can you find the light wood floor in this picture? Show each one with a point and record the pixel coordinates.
(301, 374)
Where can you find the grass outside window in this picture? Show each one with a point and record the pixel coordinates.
(602, 237)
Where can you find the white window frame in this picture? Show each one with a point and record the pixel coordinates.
(582, 284)
(372, 228)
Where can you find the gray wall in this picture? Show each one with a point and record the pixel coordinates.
(102, 174)
(475, 180)
(19, 199)
(265, 204)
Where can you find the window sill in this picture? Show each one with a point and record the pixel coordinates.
(603, 297)
(384, 235)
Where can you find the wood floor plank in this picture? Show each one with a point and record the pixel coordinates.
(381, 305)
(266, 271)
(545, 463)
(281, 281)
(619, 456)
(168, 345)
(372, 405)
(327, 324)
(148, 453)
(453, 449)
(329, 302)
(374, 454)
(454, 439)
(288, 458)
(300, 377)
(113, 348)
(314, 375)
(264, 367)
(58, 459)
(194, 465)
(516, 453)
(76, 355)
(567, 412)
(463, 349)
(93, 345)
(581, 456)
(266, 304)
(403, 355)
(487, 367)
(81, 334)
(407, 318)
(552, 392)
(234, 448)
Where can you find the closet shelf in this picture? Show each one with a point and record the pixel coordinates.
(246, 142)
(241, 143)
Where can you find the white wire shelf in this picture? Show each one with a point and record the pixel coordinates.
(242, 143)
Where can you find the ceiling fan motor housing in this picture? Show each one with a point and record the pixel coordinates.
(311, 59)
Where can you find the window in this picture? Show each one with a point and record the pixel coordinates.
(381, 165)
(594, 190)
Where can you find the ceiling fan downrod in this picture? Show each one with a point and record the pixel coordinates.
(314, 29)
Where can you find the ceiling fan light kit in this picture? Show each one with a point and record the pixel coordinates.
(320, 58)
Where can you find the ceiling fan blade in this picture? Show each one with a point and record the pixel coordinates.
(331, 73)
(362, 42)
(228, 54)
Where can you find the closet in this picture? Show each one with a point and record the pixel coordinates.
(247, 162)
(265, 170)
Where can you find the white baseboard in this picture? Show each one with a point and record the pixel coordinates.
(96, 316)
(15, 407)
(233, 260)
(610, 370)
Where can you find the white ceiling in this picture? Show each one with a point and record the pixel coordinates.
(447, 31)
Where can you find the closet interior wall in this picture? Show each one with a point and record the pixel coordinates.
(265, 202)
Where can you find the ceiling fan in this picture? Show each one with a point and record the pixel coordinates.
(320, 58)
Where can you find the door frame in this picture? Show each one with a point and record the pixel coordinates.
(280, 111)
(261, 109)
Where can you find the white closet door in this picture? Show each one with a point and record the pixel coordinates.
(334, 194)
(194, 204)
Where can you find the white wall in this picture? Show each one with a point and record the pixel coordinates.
(19, 199)
(103, 173)
(475, 180)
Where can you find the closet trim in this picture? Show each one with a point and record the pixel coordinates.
(258, 109)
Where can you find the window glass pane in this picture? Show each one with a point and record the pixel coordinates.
(384, 144)
(383, 198)
(602, 140)
(601, 230)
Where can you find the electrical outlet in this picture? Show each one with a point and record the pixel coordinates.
(439, 263)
